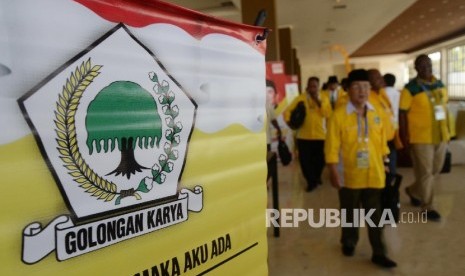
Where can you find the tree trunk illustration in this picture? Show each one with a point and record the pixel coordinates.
(128, 164)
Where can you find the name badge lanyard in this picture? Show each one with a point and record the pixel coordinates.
(362, 152)
(429, 93)
(359, 128)
(438, 108)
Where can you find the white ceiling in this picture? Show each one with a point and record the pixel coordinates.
(316, 25)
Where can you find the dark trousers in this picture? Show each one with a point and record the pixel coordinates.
(391, 175)
(312, 160)
(367, 199)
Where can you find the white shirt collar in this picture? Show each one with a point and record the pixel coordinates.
(351, 108)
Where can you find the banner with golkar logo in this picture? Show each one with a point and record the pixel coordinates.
(132, 140)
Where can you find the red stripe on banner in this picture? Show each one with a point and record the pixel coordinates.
(141, 13)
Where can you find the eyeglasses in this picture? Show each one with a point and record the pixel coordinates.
(360, 86)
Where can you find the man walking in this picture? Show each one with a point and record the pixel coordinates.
(423, 128)
(356, 144)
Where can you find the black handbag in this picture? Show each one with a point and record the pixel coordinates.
(297, 116)
(447, 162)
(284, 153)
(390, 197)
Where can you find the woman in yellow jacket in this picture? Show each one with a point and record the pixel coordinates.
(312, 134)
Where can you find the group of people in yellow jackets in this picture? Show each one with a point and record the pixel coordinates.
(355, 133)
(321, 105)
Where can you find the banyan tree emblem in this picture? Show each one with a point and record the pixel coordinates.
(123, 114)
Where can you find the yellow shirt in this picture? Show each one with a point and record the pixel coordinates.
(381, 103)
(339, 94)
(418, 100)
(343, 143)
(314, 126)
(342, 100)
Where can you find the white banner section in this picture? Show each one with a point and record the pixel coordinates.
(70, 241)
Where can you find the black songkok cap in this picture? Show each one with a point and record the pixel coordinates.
(358, 75)
(332, 79)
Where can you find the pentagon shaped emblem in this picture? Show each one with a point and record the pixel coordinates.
(113, 126)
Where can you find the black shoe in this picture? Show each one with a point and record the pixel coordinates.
(348, 250)
(383, 261)
(311, 188)
(433, 215)
(414, 201)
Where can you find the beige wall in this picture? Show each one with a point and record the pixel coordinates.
(394, 64)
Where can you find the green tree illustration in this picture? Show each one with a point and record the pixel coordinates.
(125, 114)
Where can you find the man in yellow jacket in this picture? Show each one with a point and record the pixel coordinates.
(355, 152)
(380, 100)
(424, 130)
(311, 135)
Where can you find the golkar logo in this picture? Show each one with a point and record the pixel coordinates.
(114, 128)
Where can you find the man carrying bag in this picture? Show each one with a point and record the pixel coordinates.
(312, 131)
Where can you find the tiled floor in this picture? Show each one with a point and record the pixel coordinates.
(434, 248)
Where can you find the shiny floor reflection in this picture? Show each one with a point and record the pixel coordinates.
(434, 248)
